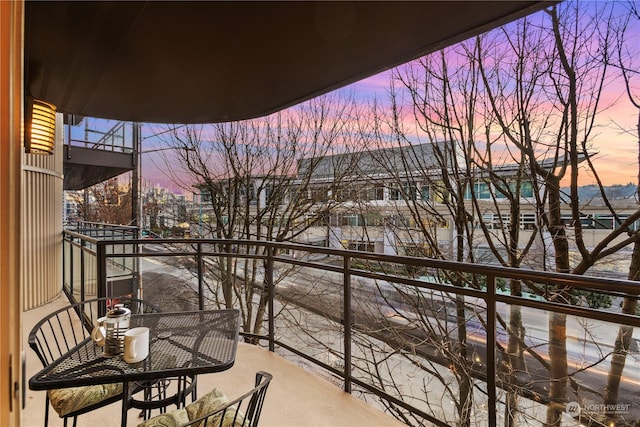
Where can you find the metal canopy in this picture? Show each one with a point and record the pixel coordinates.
(198, 62)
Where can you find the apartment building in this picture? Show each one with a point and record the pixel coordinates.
(397, 201)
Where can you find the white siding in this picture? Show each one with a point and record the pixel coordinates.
(41, 227)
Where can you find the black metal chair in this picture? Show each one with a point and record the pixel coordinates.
(215, 410)
(158, 394)
(63, 330)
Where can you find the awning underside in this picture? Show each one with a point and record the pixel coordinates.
(197, 62)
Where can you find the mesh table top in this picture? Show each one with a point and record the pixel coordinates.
(180, 343)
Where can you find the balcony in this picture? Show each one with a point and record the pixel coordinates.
(296, 397)
(386, 329)
(92, 156)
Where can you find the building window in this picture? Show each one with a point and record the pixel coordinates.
(268, 192)
(526, 190)
(483, 190)
(205, 196)
(425, 193)
(379, 192)
(372, 219)
(418, 250)
(410, 191)
(361, 246)
(528, 221)
(402, 221)
(375, 193)
(352, 220)
(441, 194)
(495, 222)
(319, 194)
(395, 193)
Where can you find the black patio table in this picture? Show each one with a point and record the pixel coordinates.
(180, 344)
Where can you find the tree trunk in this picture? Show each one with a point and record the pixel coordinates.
(515, 353)
(623, 340)
(558, 363)
(227, 280)
(629, 306)
(465, 382)
(514, 362)
(261, 309)
(557, 321)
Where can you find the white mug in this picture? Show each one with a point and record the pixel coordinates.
(136, 344)
(98, 334)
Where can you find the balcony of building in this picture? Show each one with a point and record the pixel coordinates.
(366, 323)
(81, 57)
(297, 397)
(93, 155)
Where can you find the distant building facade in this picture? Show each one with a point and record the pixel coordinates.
(394, 201)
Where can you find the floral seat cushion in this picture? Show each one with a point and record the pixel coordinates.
(210, 403)
(176, 418)
(68, 400)
(205, 405)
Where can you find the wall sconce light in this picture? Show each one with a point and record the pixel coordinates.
(41, 127)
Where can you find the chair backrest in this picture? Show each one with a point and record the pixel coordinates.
(64, 329)
(243, 411)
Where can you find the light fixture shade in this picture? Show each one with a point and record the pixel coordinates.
(41, 127)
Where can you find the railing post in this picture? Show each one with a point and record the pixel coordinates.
(101, 270)
(268, 277)
(82, 272)
(64, 259)
(137, 249)
(71, 266)
(347, 321)
(200, 278)
(491, 349)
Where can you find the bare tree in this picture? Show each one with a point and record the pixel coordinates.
(518, 115)
(256, 185)
(485, 184)
(554, 134)
(108, 202)
(427, 185)
(627, 61)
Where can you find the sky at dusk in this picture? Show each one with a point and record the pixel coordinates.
(613, 138)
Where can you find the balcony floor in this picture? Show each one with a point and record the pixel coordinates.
(295, 397)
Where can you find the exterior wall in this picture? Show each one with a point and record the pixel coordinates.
(41, 227)
(11, 101)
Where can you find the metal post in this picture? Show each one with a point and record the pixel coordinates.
(347, 321)
(101, 269)
(269, 283)
(491, 349)
(136, 204)
(82, 272)
(64, 260)
(200, 278)
(71, 272)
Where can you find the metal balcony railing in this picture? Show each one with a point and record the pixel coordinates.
(394, 327)
(80, 262)
(118, 138)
